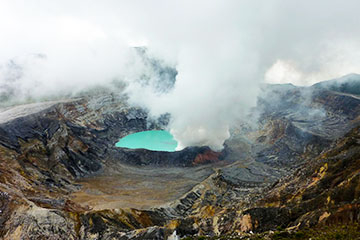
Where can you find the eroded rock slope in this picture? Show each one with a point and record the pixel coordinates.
(297, 166)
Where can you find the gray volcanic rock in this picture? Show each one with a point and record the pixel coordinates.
(347, 84)
(293, 120)
(45, 148)
(184, 158)
(85, 138)
(276, 171)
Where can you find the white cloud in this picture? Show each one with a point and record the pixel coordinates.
(222, 50)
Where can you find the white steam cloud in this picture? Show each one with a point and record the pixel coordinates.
(221, 49)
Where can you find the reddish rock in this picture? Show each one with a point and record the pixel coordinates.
(208, 156)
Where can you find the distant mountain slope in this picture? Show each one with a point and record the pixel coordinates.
(347, 84)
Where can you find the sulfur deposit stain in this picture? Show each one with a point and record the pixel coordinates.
(156, 140)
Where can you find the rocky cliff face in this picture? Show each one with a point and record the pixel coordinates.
(63, 178)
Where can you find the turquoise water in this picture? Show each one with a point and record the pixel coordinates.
(156, 140)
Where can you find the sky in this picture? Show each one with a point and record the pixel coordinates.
(222, 49)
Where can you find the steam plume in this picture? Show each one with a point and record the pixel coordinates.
(222, 50)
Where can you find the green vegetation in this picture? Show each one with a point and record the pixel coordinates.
(337, 232)
(334, 232)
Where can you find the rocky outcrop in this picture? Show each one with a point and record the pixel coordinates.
(324, 191)
(46, 147)
(297, 167)
(187, 157)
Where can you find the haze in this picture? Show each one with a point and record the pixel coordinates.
(222, 50)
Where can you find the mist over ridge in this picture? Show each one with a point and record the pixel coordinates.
(221, 53)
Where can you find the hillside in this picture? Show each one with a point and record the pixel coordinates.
(292, 165)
